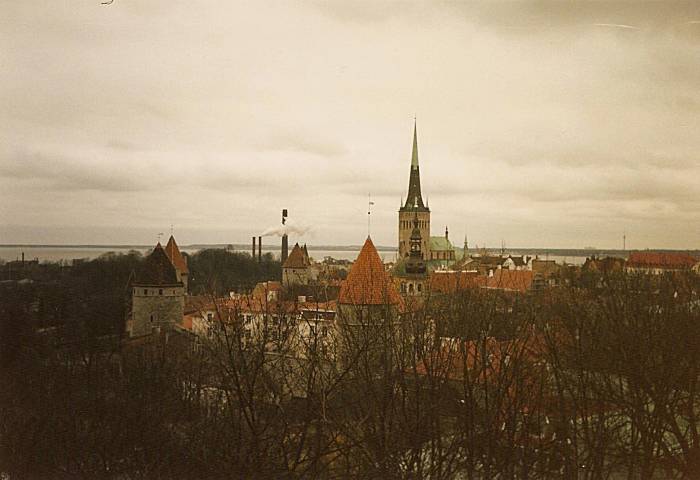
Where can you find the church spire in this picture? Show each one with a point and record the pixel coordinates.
(414, 200)
(414, 153)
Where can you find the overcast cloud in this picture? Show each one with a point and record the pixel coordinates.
(541, 123)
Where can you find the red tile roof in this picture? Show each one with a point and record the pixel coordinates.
(483, 358)
(450, 281)
(173, 253)
(661, 260)
(368, 283)
(511, 280)
(297, 258)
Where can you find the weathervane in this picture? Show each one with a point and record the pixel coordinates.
(159, 235)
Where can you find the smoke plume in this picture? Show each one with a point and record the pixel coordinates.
(290, 227)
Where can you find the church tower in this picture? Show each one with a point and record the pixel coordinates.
(414, 208)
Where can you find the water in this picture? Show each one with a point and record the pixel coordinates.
(69, 253)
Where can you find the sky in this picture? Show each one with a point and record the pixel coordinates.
(540, 124)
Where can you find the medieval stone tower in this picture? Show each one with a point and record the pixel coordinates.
(157, 296)
(414, 209)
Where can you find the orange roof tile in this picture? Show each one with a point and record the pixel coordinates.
(297, 258)
(661, 260)
(368, 283)
(450, 282)
(512, 280)
(173, 253)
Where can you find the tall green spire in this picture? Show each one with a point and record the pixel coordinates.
(414, 200)
(414, 154)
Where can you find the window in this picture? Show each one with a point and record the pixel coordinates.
(160, 291)
(151, 318)
(210, 316)
(145, 291)
(410, 288)
(420, 287)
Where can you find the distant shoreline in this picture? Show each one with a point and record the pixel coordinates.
(350, 248)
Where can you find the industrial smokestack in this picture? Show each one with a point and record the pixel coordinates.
(285, 239)
(253, 247)
(259, 249)
(285, 248)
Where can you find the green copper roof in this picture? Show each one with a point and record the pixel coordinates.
(414, 154)
(440, 243)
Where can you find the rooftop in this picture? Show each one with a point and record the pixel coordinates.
(157, 270)
(368, 283)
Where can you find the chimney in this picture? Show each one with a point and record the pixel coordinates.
(253, 247)
(259, 249)
(22, 259)
(285, 248)
(285, 239)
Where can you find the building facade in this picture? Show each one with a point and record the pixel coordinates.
(413, 277)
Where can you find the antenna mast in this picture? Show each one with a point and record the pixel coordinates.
(369, 212)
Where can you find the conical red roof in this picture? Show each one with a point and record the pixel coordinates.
(157, 270)
(173, 253)
(368, 283)
(296, 259)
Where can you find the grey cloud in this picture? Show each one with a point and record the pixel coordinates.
(62, 173)
(357, 11)
(555, 14)
(527, 114)
(304, 142)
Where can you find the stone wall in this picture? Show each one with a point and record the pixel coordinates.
(295, 276)
(153, 307)
(405, 229)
